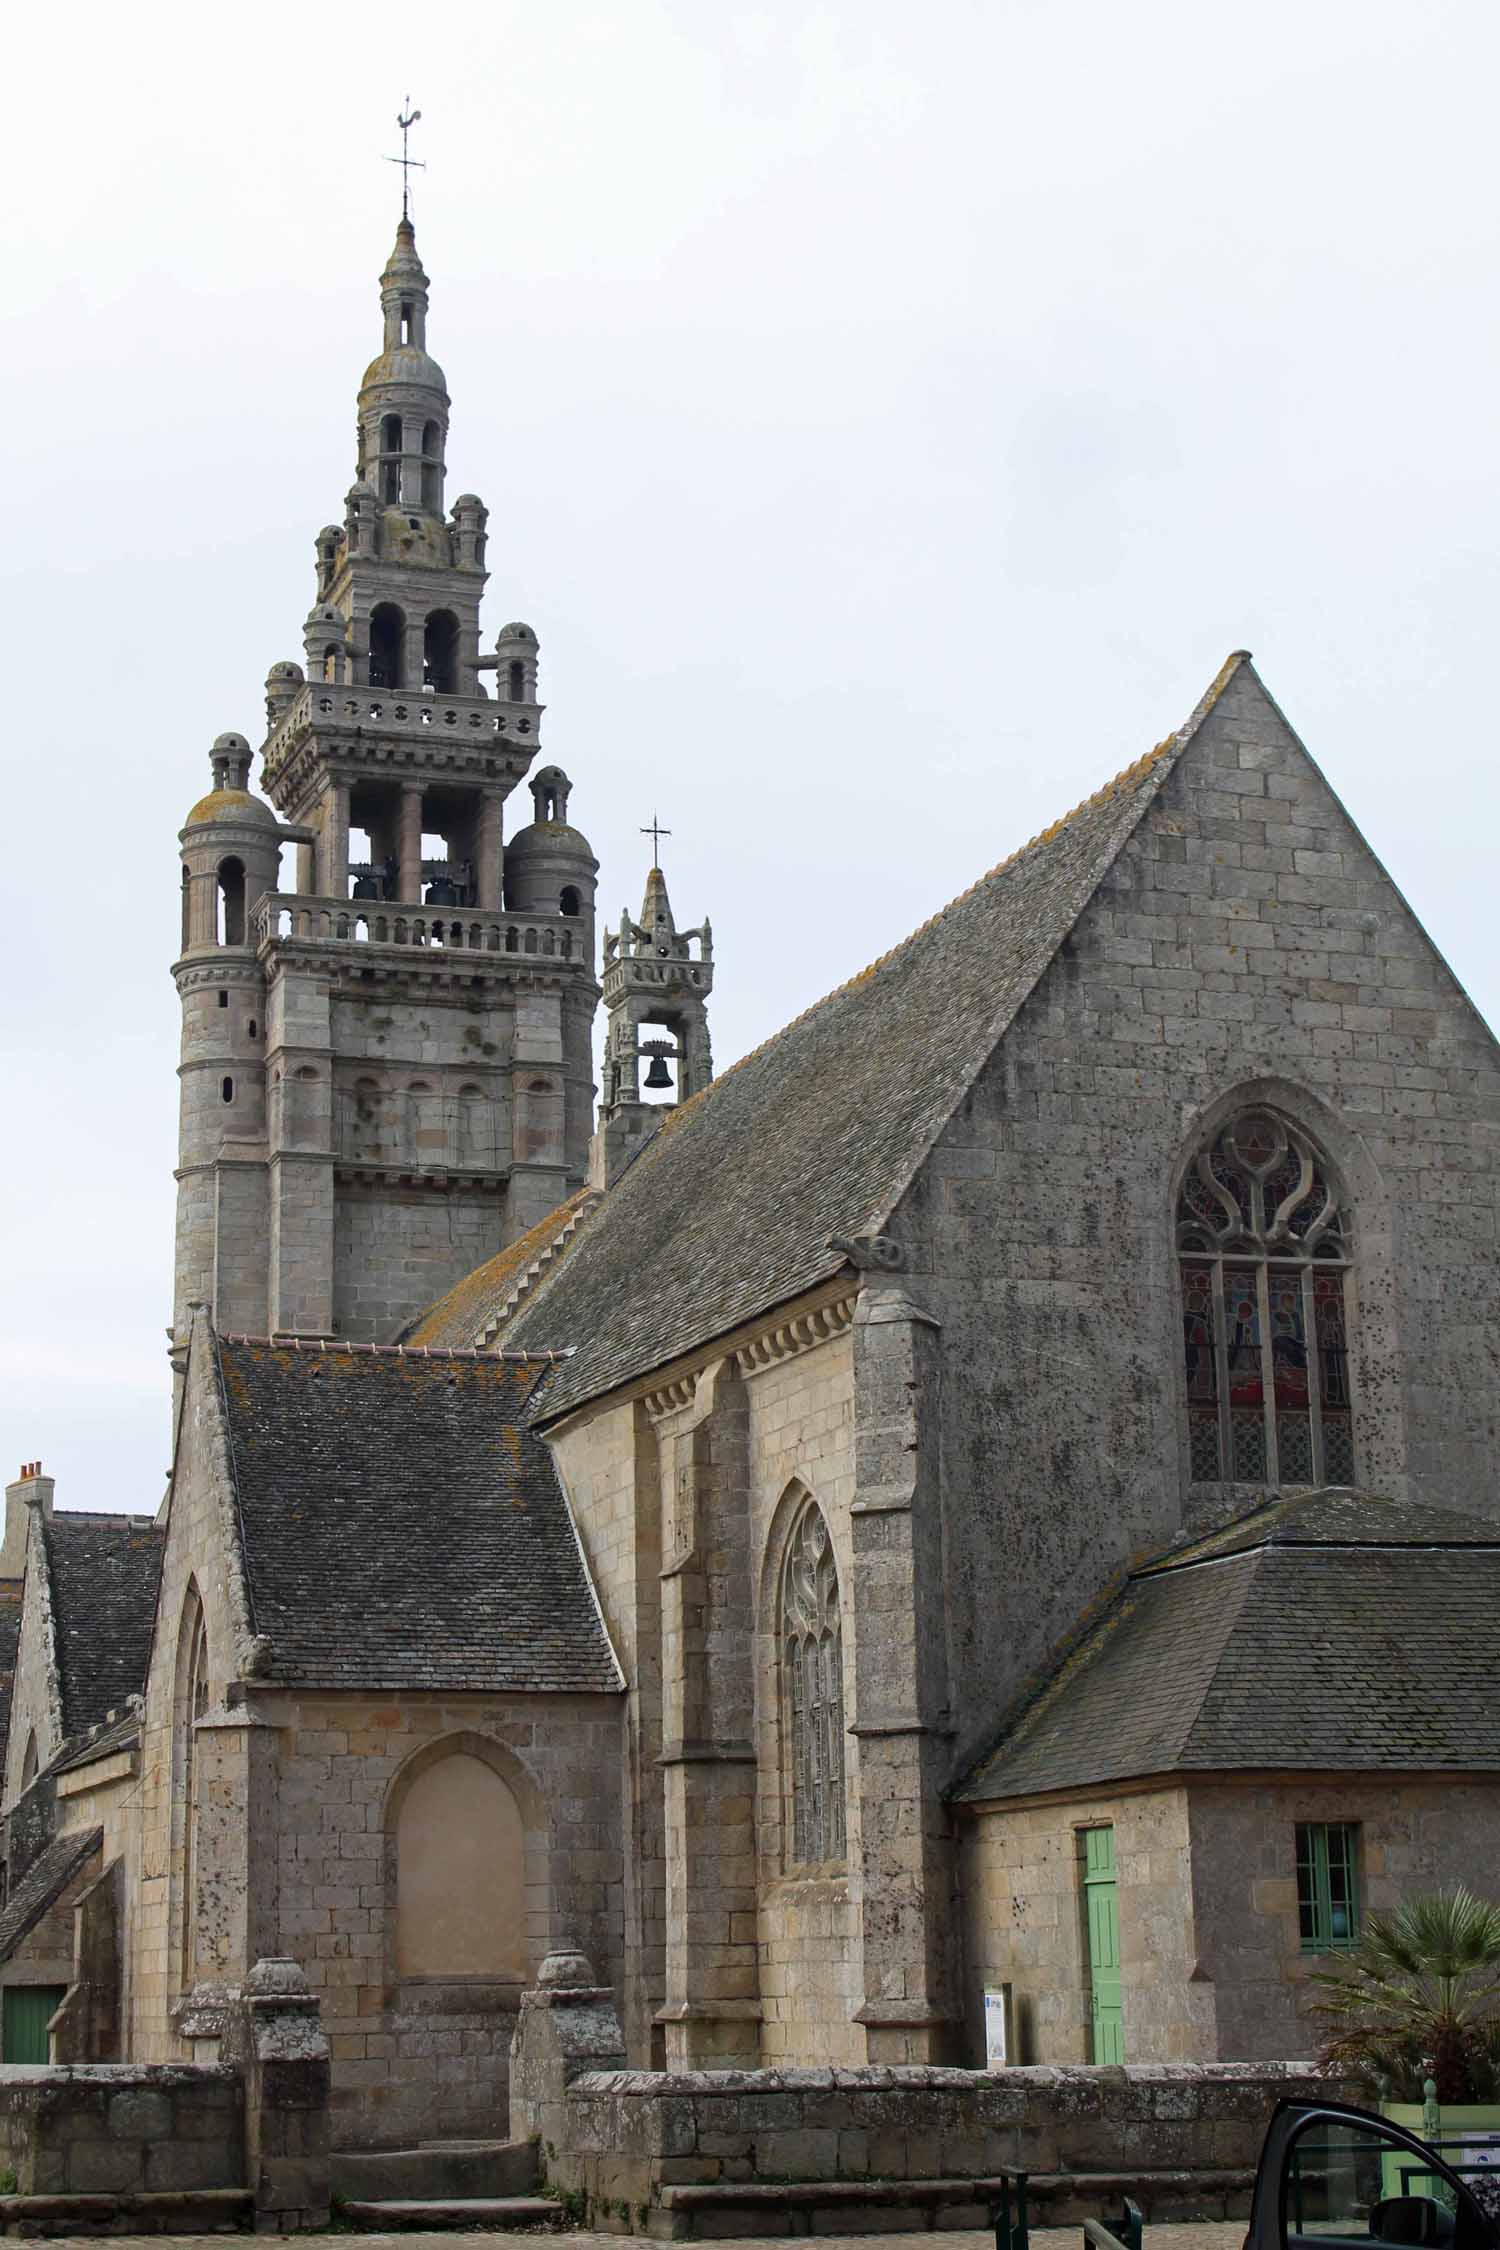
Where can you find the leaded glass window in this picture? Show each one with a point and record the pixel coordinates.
(812, 1659)
(1264, 1244)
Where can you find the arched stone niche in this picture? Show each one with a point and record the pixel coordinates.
(466, 1865)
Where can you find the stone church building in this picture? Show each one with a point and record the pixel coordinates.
(991, 1495)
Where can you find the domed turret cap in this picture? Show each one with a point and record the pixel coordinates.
(516, 632)
(235, 805)
(229, 799)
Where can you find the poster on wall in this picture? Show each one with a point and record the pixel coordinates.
(997, 2031)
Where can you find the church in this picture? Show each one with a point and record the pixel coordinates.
(975, 1525)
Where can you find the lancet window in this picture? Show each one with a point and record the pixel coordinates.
(1265, 1246)
(813, 1692)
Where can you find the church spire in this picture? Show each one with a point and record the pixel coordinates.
(403, 399)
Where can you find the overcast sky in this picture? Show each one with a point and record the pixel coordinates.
(890, 418)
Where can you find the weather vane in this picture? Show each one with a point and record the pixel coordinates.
(656, 833)
(408, 164)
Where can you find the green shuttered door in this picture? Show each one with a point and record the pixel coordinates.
(28, 2008)
(1101, 1907)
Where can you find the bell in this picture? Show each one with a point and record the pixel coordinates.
(658, 1074)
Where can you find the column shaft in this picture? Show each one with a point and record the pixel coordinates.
(410, 847)
(489, 849)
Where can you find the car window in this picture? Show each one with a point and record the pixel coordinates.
(1345, 2181)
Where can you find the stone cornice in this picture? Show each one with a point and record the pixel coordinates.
(665, 1384)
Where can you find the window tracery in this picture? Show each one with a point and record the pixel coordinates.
(813, 1692)
(1265, 1249)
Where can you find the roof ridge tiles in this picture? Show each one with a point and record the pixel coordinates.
(357, 1349)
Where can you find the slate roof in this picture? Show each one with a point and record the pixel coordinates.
(468, 1313)
(103, 1572)
(400, 1527)
(1336, 1631)
(99, 1742)
(44, 1883)
(729, 1208)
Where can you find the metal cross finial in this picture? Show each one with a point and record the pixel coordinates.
(409, 164)
(656, 833)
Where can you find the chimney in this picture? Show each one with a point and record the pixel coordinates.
(30, 1490)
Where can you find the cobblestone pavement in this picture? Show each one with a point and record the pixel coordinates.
(1218, 2236)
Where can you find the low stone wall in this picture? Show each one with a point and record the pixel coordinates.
(749, 2152)
(121, 2128)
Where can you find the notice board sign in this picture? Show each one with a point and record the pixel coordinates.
(998, 2043)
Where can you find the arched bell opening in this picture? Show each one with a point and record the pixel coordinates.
(390, 457)
(440, 652)
(387, 638)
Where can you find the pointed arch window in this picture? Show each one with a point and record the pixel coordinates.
(812, 1661)
(1265, 1249)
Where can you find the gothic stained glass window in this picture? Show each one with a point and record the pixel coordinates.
(1264, 1248)
(813, 1684)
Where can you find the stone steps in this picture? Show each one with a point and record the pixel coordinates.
(81, 2218)
(435, 2172)
(723, 2209)
(473, 2211)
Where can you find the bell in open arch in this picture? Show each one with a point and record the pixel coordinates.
(658, 1074)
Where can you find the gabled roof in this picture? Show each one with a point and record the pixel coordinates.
(729, 1209)
(1336, 1631)
(103, 1572)
(43, 1884)
(399, 1525)
(475, 1307)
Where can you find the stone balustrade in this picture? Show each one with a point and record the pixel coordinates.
(401, 711)
(390, 922)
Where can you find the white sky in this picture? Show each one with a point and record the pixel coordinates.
(890, 418)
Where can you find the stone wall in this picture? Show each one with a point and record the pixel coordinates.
(113, 2128)
(1417, 1834)
(396, 1249)
(795, 1933)
(1023, 1921)
(1211, 1959)
(678, 2153)
(1244, 946)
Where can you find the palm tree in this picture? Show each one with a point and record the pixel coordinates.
(1419, 1998)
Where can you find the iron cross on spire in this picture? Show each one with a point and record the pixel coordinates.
(656, 833)
(409, 164)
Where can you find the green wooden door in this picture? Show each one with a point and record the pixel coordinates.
(1102, 1912)
(28, 2009)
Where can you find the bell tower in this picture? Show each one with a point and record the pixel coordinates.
(654, 983)
(423, 1013)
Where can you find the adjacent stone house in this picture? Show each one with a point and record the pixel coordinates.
(950, 1504)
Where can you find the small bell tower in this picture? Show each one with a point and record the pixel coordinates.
(656, 989)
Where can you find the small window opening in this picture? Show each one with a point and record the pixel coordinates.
(518, 682)
(569, 901)
(440, 652)
(1327, 1885)
(387, 638)
(406, 324)
(223, 999)
(430, 440)
(250, 1028)
(390, 433)
(390, 481)
(228, 1089)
